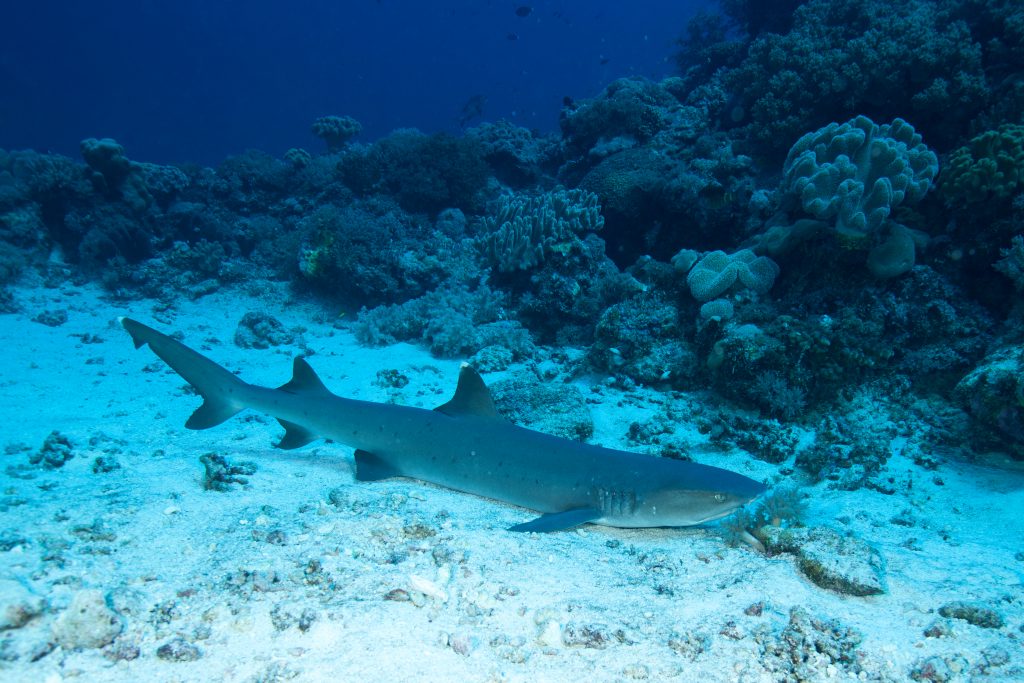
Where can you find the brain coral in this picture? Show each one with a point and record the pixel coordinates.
(717, 272)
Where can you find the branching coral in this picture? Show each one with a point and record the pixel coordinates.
(989, 168)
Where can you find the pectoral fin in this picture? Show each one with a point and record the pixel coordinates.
(559, 521)
(369, 467)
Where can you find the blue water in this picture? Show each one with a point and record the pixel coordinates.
(197, 81)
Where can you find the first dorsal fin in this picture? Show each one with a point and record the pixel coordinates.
(471, 397)
(304, 380)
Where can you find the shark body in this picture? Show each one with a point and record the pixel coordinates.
(465, 445)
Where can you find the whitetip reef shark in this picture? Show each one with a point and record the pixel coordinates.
(465, 445)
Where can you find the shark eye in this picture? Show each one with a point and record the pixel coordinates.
(719, 497)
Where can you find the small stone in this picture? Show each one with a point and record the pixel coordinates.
(428, 588)
(592, 636)
(462, 644)
(636, 671)
(940, 628)
(178, 650)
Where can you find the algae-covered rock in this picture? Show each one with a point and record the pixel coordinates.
(841, 563)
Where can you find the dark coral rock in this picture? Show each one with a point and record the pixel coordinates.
(179, 650)
(642, 339)
(807, 645)
(221, 475)
(993, 393)
(452, 320)
(261, 331)
(632, 109)
(336, 131)
(52, 318)
(55, 453)
(371, 253)
(514, 154)
(593, 636)
(977, 615)
(766, 440)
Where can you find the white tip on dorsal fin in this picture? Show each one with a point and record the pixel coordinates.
(472, 396)
(304, 380)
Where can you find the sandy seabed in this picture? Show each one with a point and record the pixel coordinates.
(119, 566)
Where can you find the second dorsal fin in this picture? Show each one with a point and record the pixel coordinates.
(472, 397)
(304, 380)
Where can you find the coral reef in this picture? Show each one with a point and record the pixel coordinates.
(424, 173)
(452, 320)
(908, 58)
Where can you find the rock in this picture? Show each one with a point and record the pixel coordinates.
(977, 615)
(56, 451)
(841, 563)
(178, 650)
(261, 331)
(806, 648)
(993, 394)
(594, 636)
(87, 622)
(18, 605)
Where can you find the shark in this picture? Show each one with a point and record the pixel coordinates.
(466, 445)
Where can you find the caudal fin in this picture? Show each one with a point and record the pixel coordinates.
(222, 392)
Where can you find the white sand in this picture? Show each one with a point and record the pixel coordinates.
(175, 560)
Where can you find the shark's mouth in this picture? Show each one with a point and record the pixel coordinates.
(718, 515)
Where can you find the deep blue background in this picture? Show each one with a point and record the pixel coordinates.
(198, 80)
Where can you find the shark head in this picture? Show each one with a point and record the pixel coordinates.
(684, 504)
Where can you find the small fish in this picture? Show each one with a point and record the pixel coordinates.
(524, 11)
(473, 108)
(512, 35)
